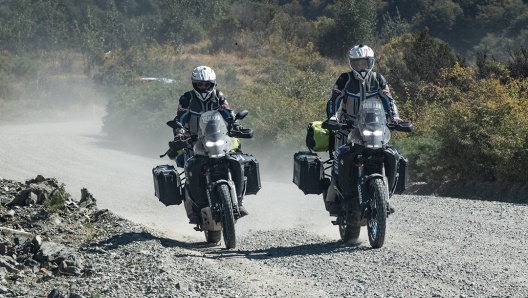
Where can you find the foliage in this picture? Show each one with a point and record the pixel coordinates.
(57, 200)
(481, 132)
(518, 65)
(412, 65)
(489, 66)
(467, 24)
(279, 59)
(353, 24)
(394, 26)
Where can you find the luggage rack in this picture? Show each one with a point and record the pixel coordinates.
(327, 164)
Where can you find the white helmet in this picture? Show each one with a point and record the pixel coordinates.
(361, 60)
(203, 75)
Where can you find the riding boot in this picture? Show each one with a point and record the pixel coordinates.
(390, 208)
(242, 209)
(354, 219)
(331, 204)
(191, 213)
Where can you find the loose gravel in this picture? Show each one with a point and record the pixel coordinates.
(435, 247)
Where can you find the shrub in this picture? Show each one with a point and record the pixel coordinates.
(483, 133)
(57, 200)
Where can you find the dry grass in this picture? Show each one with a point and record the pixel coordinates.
(248, 70)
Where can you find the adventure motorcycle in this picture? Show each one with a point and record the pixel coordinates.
(216, 176)
(367, 173)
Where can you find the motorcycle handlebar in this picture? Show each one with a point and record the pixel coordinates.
(402, 126)
(245, 133)
(334, 125)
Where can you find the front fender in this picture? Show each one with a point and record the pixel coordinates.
(211, 188)
(363, 182)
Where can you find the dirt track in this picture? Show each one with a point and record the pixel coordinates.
(436, 247)
(77, 154)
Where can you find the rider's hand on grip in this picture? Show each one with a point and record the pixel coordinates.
(237, 126)
(397, 120)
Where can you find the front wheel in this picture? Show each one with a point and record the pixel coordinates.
(228, 220)
(377, 220)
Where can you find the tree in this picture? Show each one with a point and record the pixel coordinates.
(354, 22)
(428, 55)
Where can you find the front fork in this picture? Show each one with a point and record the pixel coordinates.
(211, 188)
(363, 183)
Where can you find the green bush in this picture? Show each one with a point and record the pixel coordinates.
(56, 202)
(482, 134)
(421, 153)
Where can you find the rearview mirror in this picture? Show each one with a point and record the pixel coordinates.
(241, 115)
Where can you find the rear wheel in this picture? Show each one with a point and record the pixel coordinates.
(377, 220)
(228, 220)
(213, 236)
(349, 234)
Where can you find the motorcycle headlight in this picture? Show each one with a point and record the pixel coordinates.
(216, 143)
(373, 146)
(376, 133)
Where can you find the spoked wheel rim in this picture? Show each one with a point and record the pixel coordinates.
(228, 220)
(377, 217)
(372, 221)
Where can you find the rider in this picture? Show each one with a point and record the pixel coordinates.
(350, 89)
(202, 98)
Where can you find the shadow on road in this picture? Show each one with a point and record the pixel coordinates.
(215, 251)
(287, 251)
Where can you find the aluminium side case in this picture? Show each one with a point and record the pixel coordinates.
(251, 172)
(167, 185)
(308, 172)
(403, 176)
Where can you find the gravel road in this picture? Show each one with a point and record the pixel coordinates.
(287, 247)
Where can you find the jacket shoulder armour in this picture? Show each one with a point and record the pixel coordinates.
(220, 94)
(186, 98)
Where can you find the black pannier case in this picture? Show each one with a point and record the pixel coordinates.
(403, 179)
(252, 174)
(167, 185)
(308, 172)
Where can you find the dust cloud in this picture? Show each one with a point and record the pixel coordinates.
(65, 141)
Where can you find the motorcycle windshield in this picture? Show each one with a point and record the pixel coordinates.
(372, 124)
(213, 134)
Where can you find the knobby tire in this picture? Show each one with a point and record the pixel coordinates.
(228, 219)
(377, 221)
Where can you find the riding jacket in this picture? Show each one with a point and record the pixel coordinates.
(348, 92)
(190, 108)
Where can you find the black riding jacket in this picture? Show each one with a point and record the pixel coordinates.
(348, 90)
(190, 108)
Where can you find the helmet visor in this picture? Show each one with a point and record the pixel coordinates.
(203, 84)
(362, 64)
